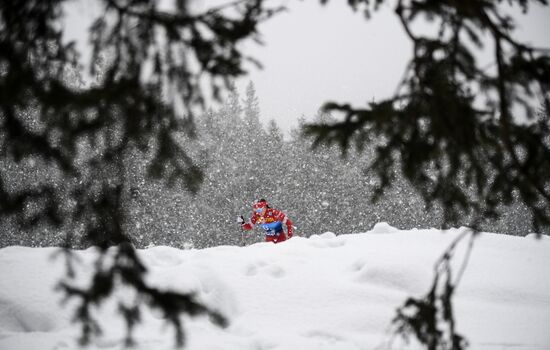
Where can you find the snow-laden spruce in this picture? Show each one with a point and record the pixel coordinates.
(325, 292)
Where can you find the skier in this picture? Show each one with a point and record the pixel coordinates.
(271, 220)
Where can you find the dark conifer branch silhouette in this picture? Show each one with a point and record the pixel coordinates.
(444, 129)
(431, 318)
(470, 157)
(147, 65)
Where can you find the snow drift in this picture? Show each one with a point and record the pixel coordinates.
(324, 292)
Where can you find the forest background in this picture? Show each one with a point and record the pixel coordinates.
(243, 160)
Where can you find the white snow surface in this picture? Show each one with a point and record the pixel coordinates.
(323, 292)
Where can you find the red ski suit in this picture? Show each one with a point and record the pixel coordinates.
(272, 222)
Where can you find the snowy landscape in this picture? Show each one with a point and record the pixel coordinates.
(321, 292)
(396, 151)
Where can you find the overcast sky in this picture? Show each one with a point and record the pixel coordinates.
(314, 54)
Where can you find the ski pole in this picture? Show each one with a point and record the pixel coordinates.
(240, 220)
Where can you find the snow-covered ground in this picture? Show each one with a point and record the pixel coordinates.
(325, 292)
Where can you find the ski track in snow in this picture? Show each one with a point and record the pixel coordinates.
(324, 292)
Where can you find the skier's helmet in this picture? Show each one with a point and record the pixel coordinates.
(259, 206)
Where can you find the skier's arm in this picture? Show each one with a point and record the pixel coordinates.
(249, 225)
(289, 227)
(285, 221)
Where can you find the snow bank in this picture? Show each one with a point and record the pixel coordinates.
(383, 227)
(325, 292)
